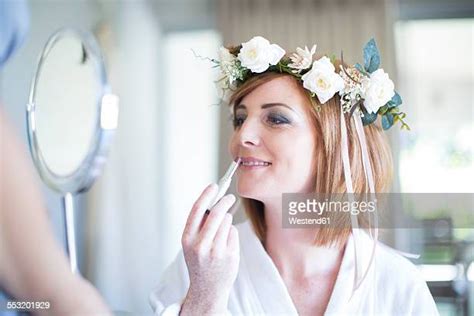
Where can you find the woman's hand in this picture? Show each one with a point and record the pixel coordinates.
(211, 250)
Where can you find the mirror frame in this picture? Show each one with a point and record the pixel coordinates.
(82, 178)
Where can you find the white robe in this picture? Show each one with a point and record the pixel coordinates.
(393, 286)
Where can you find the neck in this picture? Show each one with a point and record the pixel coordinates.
(293, 250)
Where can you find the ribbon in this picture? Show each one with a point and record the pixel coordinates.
(369, 177)
(350, 190)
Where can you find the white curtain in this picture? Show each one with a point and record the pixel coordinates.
(334, 25)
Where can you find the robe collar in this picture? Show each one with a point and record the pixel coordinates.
(270, 288)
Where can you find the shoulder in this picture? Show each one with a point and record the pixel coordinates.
(402, 283)
(389, 261)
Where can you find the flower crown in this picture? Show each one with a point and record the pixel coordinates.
(366, 90)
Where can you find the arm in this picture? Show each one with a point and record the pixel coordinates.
(168, 297)
(200, 280)
(33, 266)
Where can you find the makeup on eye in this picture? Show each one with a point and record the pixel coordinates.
(277, 118)
(271, 118)
(273, 114)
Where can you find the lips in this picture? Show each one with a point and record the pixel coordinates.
(254, 162)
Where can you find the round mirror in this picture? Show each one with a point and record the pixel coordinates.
(71, 118)
(67, 93)
(71, 114)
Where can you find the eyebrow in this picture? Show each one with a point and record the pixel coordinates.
(266, 106)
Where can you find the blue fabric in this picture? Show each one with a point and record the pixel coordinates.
(14, 24)
(4, 298)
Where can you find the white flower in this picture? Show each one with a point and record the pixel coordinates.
(258, 54)
(302, 59)
(225, 57)
(224, 94)
(225, 88)
(323, 80)
(228, 65)
(378, 90)
(227, 76)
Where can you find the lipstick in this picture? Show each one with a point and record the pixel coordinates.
(224, 182)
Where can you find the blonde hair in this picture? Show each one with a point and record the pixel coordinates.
(329, 175)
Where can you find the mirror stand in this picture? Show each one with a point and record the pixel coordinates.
(68, 207)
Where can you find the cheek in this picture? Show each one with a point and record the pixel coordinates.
(232, 146)
(292, 148)
(307, 149)
(299, 156)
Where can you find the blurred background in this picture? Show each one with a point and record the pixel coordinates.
(172, 135)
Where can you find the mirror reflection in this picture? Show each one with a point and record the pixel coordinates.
(67, 97)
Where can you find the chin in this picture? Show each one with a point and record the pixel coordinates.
(246, 192)
(246, 189)
(250, 190)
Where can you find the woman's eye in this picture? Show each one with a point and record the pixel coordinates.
(238, 121)
(277, 119)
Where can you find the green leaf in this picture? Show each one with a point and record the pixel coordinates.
(395, 101)
(383, 109)
(393, 110)
(368, 118)
(387, 121)
(371, 56)
(402, 115)
(398, 117)
(361, 69)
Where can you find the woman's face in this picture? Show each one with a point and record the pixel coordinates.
(274, 136)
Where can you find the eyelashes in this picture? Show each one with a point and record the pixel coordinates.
(277, 119)
(272, 119)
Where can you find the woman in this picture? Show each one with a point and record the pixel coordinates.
(287, 112)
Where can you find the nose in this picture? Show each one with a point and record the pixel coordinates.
(249, 134)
